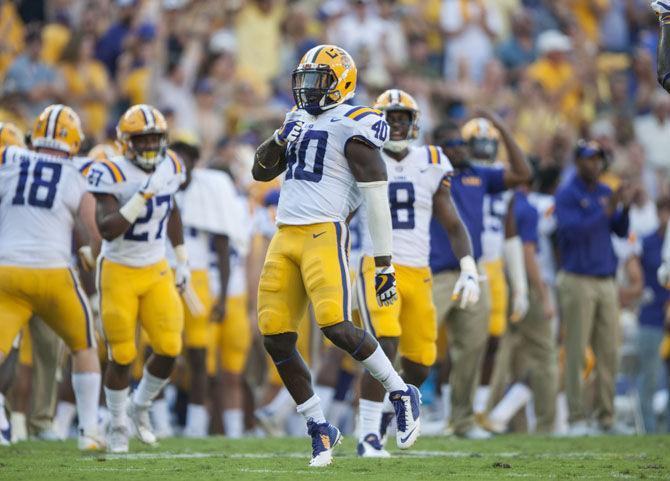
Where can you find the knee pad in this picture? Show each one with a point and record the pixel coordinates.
(123, 353)
(169, 345)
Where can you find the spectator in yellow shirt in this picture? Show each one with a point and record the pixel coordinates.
(555, 73)
(87, 83)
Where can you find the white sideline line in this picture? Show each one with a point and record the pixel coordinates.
(410, 454)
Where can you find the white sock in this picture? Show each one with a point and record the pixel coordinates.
(481, 398)
(531, 419)
(516, 398)
(19, 426)
(65, 413)
(116, 401)
(311, 409)
(160, 416)
(660, 401)
(379, 366)
(86, 386)
(369, 417)
(326, 394)
(561, 423)
(339, 411)
(233, 423)
(4, 422)
(197, 421)
(445, 389)
(148, 388)
(281, 405)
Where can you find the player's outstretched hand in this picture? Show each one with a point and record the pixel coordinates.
(182, 276)
(292, 127)
(385, 285)
(158, 180)
(467, 285)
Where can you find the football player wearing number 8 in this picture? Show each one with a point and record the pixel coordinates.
(419, 187)
(42, 197)
(135, 212)
(332, 165)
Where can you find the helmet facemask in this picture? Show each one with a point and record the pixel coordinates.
(398, 145)
(483, 148)
(314, 89)
(147, 149)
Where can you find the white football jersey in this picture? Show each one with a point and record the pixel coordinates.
(493, 235)
(39, 200)
(318, 185)
(413, 182)
(207, 206)
(144, 242)
(545, 205)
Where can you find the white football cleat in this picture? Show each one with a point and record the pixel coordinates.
(325, 437)
(117, 439)
(139, 418)
(475, 433)
(90, 442)
(371, 447)
(407, 411)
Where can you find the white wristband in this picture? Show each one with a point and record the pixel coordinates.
(180, 254)
(133, 208)
(379, 216)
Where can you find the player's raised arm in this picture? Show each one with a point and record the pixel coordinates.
(369, 170)
(270, 158)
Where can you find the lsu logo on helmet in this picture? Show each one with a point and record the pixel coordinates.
(142, 135)
(482, 138)
(11, 135)
(324, 78)
(58, 127)
(396, 100)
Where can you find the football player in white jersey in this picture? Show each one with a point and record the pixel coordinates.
(209, 208)
(135, 212)
(42, 194)
(330, 152)
(418, 189)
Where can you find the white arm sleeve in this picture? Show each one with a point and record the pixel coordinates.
(515, 265)
(665, 250)
(375, 195)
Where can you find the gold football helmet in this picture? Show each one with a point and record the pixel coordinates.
(482, 138)
(10, 135)
(399, 100)
(324, 78)
(58, 127)
(142, 135)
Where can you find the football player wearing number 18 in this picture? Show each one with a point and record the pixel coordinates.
(135, 211)
(42, 194)
(330, 152)
(419, 187)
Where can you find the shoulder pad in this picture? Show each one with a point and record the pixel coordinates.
(436, 157)
(358, 113)
(83, 164)
(177, 164)
(104, 172)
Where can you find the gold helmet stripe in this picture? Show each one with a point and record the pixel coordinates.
(52, 123)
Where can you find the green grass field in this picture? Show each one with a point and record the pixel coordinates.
(510, 457)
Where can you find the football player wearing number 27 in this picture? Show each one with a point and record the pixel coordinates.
(331, 155)
(135, 212)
